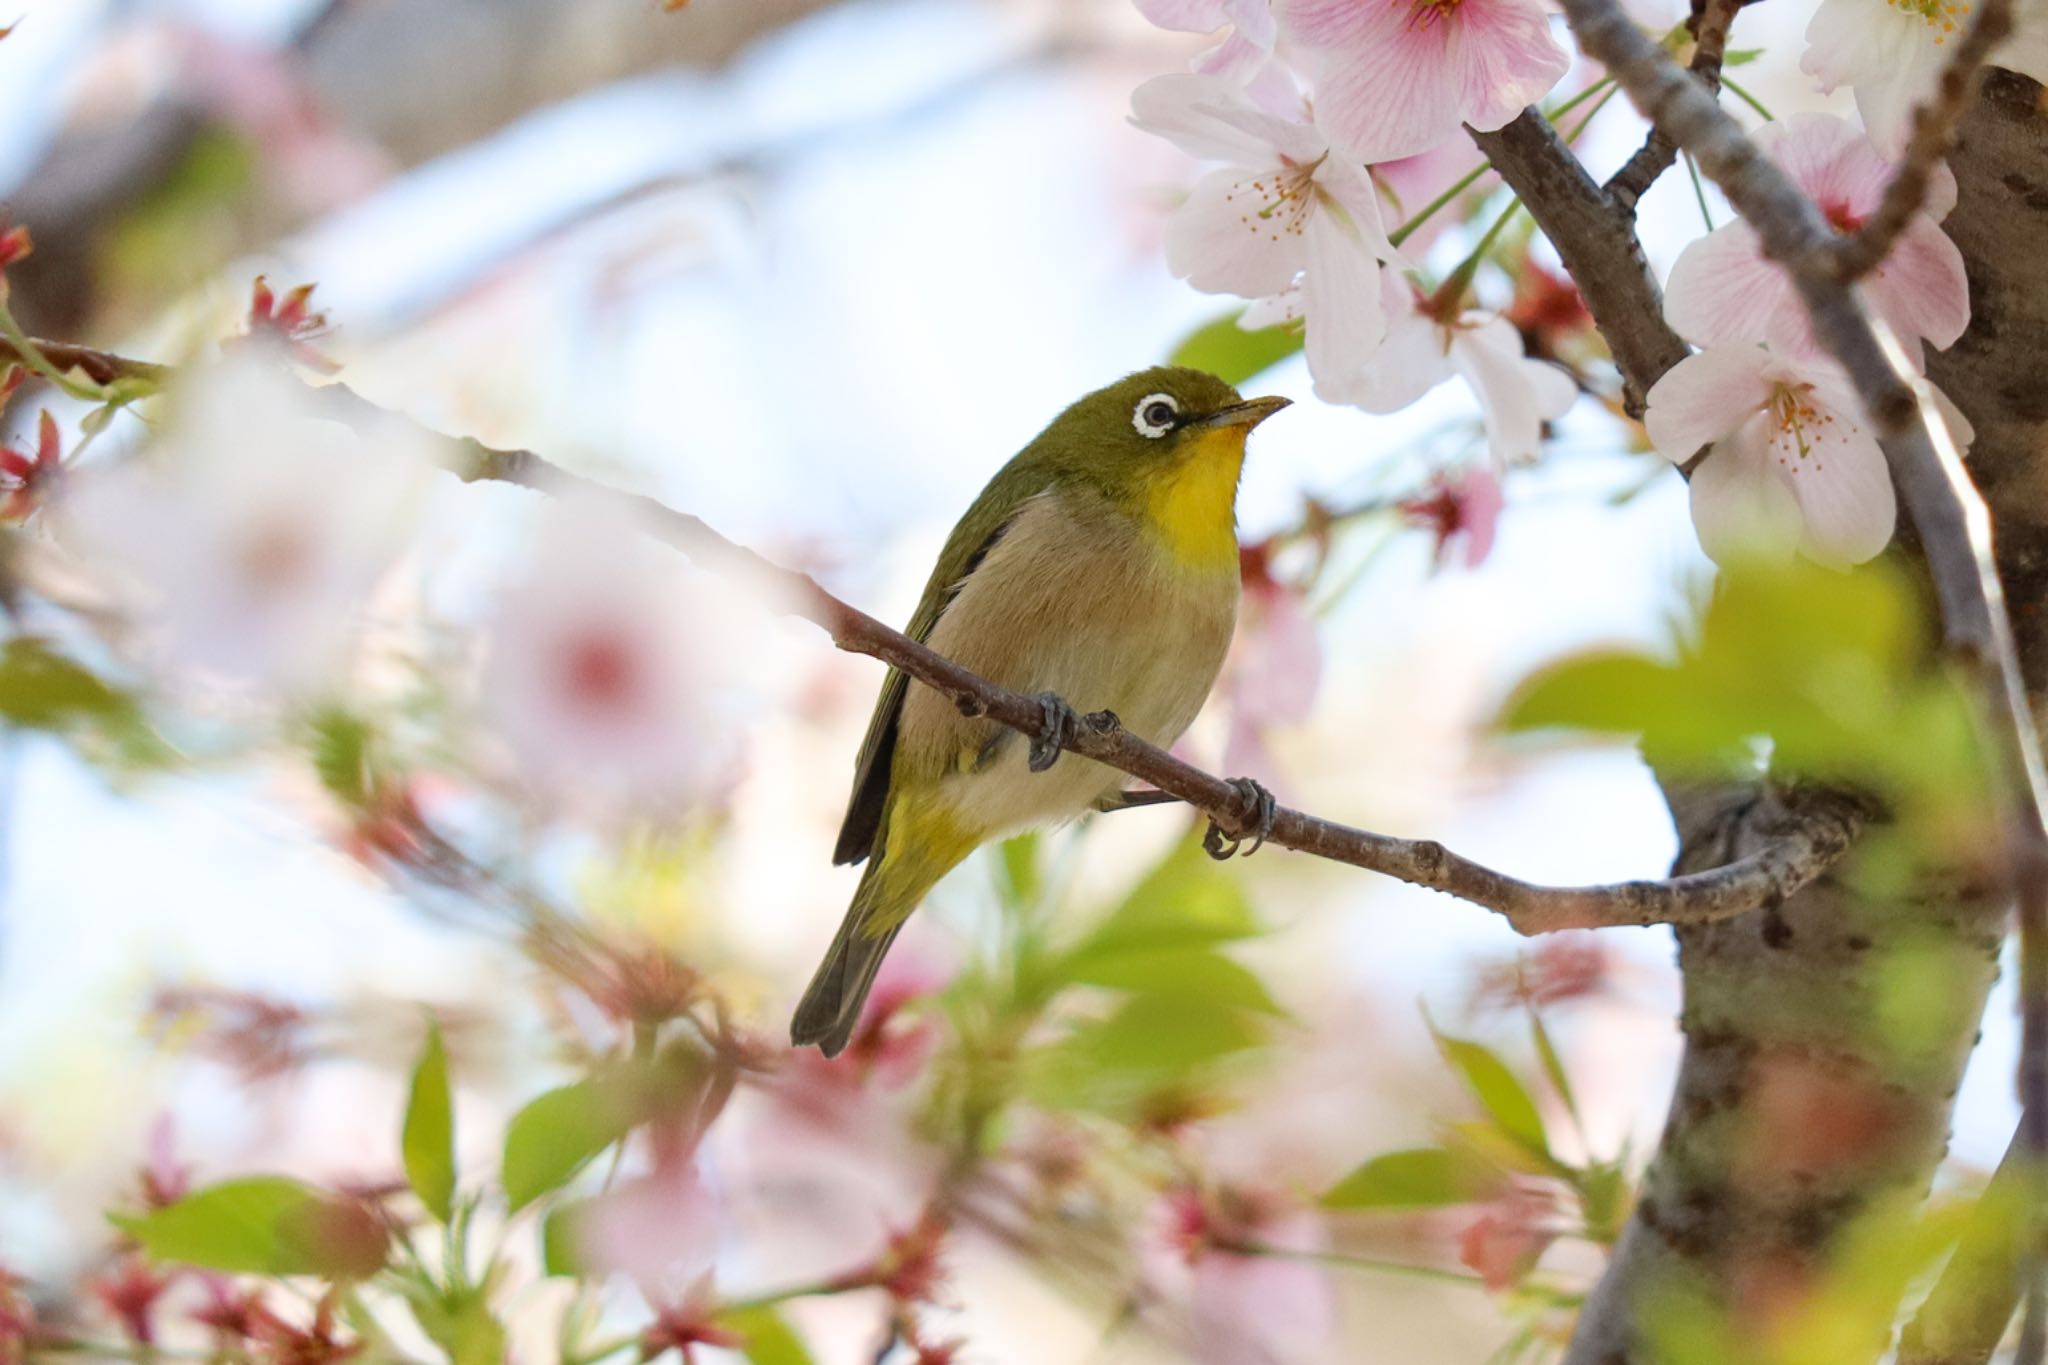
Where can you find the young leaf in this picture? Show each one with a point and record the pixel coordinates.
(560, 1239)
(1553, 1065)
(1503, 1097)
(1018, 878)
(556, 1134)
(1418, 1178)
(262, 1225)
(768, 1340)
(428, 1139)
(1199, 973)
(1184, 901)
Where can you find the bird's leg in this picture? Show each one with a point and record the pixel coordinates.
(1131, 800)
(1060, 721)
(1264, 811)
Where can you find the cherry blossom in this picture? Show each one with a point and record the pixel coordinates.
(1723, 290)
(1394, 79)
(603, 673)
(1275, 667)
(1790, 463)
(1891, 53)
(1462, 509)
(246, 544)
(1245, 54)
(659, 1231)
(1285, 220)
(1516, 395)
(1240, 1307)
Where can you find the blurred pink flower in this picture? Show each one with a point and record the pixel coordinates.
(1398, 77)
(1564, 967)
(1507, 1240)
(660, 1231)
(1284, 221)
(610, 674)
(1462, 508)
(129, 1292)
(686, 1324)
(245, 546)
(26, 478)
(1426, 344)
(1276, 666)
(1242, 1308)
(1723, 290)
(165, 1179)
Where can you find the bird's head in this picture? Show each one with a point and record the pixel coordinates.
(1163, 422)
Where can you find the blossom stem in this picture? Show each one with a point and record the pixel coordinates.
(1699, 191)
(1471, 177)
(1353, 1261)
(1751, 100)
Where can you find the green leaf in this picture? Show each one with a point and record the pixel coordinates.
(768, 1339)
(263, 1225)
(462, 1325)
(1553, 1065)
(1604, 692)
(428, 1139)
(341, 755)
(561, 1239)
(1019, 881)
(1741, 56)
(1186, 900)
(1418, 1178)
(1234, 355)
(1504, 1097)
(557, 1134)
(1199, 973)
(1149, 1045)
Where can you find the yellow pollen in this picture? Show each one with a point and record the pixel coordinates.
(1943, 16)
(1799, 418)
(1281, 199)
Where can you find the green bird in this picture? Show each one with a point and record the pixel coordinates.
(1098, 568)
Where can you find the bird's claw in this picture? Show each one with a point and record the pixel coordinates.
(1062, 723)
(1264, 811)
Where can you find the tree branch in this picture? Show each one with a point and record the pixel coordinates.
(1829, 822)
(1598, 245)
(1964, 1316)
(1934, 131)
(1710, 33)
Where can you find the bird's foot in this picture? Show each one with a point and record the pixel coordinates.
(1062, 723)
(1264, 810)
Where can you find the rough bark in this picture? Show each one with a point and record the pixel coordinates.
(1786, 1026)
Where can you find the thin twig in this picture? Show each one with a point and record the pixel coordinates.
(1934, 131)
(1628, 185)
(1597, 245)
(1823, 833)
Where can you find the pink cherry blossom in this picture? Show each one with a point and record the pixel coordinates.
(1516, 394)
(1891, 53)
(605, 672)
(1396, 77)
(1285, 218)
(1723, 290)
(1275, 668)
(1462, 509)
(1790, 464)
(660, 1231)
(1240, 1308)
(245, 551)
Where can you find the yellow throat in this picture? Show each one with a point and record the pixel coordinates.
(1192, 505)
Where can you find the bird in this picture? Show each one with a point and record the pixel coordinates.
(1098, 569)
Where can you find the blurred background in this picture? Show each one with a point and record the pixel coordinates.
(811, 269)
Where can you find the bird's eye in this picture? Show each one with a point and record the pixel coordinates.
(1155, 415)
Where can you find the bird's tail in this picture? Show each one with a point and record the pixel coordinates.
(890, 888)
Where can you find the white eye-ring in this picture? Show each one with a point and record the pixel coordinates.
(1155, 415)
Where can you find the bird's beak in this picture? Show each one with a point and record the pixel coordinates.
(1247, 414)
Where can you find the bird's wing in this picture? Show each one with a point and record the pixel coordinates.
(993, 513)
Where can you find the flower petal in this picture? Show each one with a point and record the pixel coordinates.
(1723, 290)
(1512, 396)
(1182, 108)
(1217, 242)
(1921, 289)
(1505, 59)
(1340, 301)
(1389, 93)
(1844, 489)
(1740, 509)
(1184, 16)
(1413, 359)
(1704, 397)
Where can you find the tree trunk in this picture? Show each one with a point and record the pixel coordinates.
(1809, 1093)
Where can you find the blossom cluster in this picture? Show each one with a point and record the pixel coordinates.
(1318, 110)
